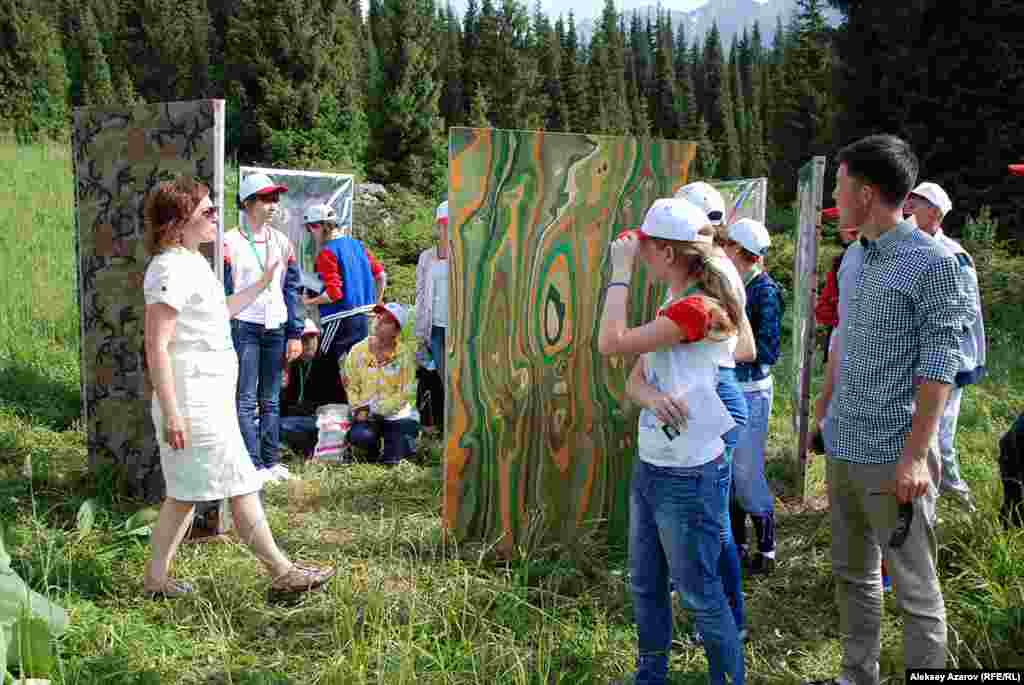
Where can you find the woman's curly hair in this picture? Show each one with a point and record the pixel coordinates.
(168, 208)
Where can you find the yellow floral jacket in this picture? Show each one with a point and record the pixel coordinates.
(389, 388)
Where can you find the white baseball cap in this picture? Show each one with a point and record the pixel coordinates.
(751, 235)
(398, 312)
(674, 219)
(258, 184)
(706, 198)
(442, 212)
(316, 214)
(934, 193)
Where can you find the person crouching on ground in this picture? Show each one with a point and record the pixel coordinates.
(298, 409)
(267, 332)
(676, 504)
(747, 245)
(194, 370)
(380, 377)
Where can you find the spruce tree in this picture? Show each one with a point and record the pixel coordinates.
(479, 112)
(452, 105)
(739, 102)
(755, 162)
(290, 75)
(97, 85)
(33, 74)
(951, 89)
(707, 162)
(469, 53)
(200, 51)
(664, 96)
(803, 124)
(721, 119)
(697, 78)
(612, 67)
(550, 63)
(404, 113)
(686, 106)
(574, 80)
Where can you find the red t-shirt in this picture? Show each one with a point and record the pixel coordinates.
(692, 317)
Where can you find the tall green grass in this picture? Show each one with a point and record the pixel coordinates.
(37, 268)
(408, 605)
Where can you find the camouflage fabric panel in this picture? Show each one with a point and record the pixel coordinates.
(539, 434)
(119, 155)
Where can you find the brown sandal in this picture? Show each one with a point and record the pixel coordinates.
(301, 578)
(171, 589)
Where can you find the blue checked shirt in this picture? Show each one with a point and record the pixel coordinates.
(904, 317)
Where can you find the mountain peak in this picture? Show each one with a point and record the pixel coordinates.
(731, 17)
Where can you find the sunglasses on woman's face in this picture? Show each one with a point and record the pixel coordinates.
(210, 213)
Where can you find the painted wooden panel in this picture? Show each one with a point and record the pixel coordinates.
(810, 186)
(119, 155)
(539, 434)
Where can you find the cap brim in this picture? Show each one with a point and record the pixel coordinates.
(268, 190)
(635, 231)
(381, 309)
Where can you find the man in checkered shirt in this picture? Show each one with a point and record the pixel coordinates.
(896, 355)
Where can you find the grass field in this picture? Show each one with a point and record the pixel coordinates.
(406, 607)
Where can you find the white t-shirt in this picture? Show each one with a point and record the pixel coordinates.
(439, 309)
(184, 280)
(727, 351)
(269, 309)
(691, 370)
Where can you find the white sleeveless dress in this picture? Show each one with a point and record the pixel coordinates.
(215, 463)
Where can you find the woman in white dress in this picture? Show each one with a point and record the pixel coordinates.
(194, 371)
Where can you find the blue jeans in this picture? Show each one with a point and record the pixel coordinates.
(260, 363)
(300, 433)
(337, 338)
(437, 334)
(399, 438)
(729, 569)
(751, 487)
(675, 528)
(731, 393)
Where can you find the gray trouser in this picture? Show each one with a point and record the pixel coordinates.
(952, 482)
(862, 523)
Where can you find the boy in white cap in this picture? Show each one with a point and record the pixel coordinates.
(929, 204)
(380, 376)
(432, 311)
(267, 333)
(354, 282)
(747, 244)
(676, 501)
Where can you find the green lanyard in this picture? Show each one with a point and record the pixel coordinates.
(689, 291)
(252, 245)
(754, 273)
(302, 380)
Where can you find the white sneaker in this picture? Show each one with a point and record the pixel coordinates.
(281, 473)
